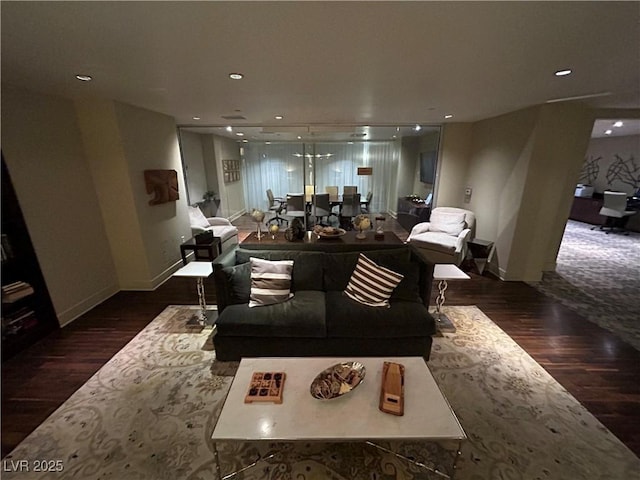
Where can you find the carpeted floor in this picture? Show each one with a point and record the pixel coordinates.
(598, 276)
(149, 413)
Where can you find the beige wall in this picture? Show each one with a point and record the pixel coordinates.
(43, 148)
(521, 167)
(150, 142)
(453, 165)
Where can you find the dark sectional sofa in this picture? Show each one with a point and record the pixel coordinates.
(320, 320)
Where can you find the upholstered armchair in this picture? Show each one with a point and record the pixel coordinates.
(221, 227)
(443, 239)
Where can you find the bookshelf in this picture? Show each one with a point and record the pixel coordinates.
(27, 310)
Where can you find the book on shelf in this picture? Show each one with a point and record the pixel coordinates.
(15, 291)
(22, 319)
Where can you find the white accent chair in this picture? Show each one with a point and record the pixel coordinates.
(219, 226)
(443, 239)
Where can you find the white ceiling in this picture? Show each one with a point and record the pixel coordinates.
(326, 63)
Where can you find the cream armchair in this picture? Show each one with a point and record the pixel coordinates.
(221, 227)
(443, 239)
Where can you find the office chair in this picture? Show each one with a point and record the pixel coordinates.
(348, 190)
(276, 205)
(615, 209)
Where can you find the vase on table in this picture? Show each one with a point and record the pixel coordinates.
(258, 217)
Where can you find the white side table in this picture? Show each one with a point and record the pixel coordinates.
(443, 272)
(199, 271)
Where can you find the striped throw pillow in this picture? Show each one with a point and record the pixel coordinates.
(270, 281)
(372, 284)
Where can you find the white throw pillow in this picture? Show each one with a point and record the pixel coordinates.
(372, 284)
(270, 281)
(197, 218)
(449, 223)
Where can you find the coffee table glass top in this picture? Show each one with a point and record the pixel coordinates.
(354, 416)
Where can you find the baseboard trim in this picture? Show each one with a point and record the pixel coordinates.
(82, 307)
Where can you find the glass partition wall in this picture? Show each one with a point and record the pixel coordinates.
(288, 168)
(390, 168)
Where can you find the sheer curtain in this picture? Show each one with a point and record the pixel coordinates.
(280, 167)
(341, 168)
(271, 166)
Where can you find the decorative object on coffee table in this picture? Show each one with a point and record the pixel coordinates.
(392, 388)
(295, 231)
(258, 217)
(362, 223)
(273, 230)
(337, 380)
(266, 387)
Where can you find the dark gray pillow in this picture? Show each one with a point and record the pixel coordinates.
(239, 279)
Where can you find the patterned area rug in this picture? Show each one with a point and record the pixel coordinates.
(598, 276)
(149, 414)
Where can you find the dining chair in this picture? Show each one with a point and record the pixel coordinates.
(364, 205)
(309, 190)
(350, 208)
(348, 190)
(321, 207)
(333, 193)
(614, 209)
(296, 206)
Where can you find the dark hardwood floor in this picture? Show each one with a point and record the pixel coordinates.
(601, 371)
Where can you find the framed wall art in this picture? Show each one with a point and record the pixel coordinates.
(231, 170)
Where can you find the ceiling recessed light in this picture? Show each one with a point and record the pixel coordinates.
(240, 134)
(608, 132)
(267, 143)
(618, 124)
(229, 128)
(84, 78)
(563, 73)
(236, 76)
(244, 140)
(448, 116)
(279, 117)
(196, 118)
(417, 128)
(299, 137)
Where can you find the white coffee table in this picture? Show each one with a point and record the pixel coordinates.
(199, 271)
(443, 272)
(352, 417)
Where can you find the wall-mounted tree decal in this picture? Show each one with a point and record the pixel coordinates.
(625, 171)
(590, 170)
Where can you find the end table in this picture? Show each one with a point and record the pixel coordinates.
(196, 247)
(443, 272)
(481, 251)
(199, 271)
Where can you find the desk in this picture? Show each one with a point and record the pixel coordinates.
(199, 271)
(208, 247)
(443, 272)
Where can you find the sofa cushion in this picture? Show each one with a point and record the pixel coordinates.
(239, 281)
(301, 316)
(306, 265)
(270, 281)
(348, 318)
(338, 268)
(450, 223)
(438, 241)
(371, 284)
(225, 232)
